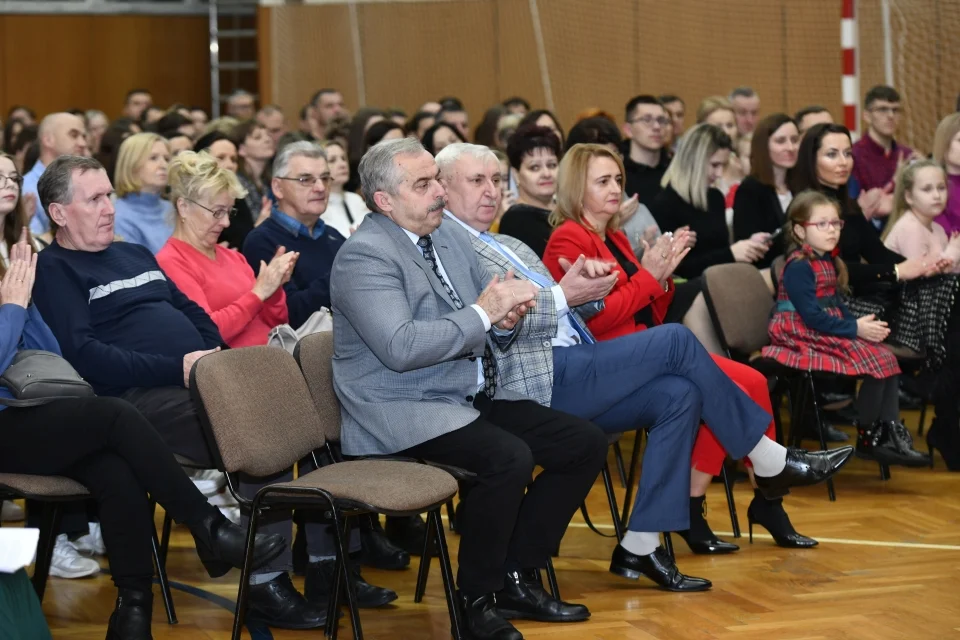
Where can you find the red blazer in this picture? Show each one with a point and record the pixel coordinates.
(569, 240)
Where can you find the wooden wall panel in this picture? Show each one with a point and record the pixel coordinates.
(518, 65)
(813, 57)
(58, 62)
(311, 49)
(415, 52)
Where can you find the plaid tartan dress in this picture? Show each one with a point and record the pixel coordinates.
(797, 346)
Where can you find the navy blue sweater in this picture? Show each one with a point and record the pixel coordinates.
(119, 320)
(801, 286)
(309, 288)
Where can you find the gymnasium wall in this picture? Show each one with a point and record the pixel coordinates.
(57, 62)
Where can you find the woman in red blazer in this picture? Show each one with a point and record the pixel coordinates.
(586, 221)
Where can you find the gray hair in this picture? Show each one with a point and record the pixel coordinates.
(302, 149)
(378, 171)
(743, 92)
(56, 183)
(239, 93)
(450, 154)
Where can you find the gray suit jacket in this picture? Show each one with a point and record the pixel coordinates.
(527, 367)
(405, 359)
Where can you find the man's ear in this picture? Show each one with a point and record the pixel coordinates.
(57, 214)
(383, 201)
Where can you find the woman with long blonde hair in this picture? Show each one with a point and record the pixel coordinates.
(143, 216)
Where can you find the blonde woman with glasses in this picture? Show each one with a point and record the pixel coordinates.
(243, 306)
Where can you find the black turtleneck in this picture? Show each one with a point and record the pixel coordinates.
(859, 244)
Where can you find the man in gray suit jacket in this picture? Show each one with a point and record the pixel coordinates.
(415, 327)
(661, 378)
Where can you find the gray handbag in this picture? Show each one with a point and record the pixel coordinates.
(37, 377)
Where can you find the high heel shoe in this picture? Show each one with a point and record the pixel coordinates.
(936, 442)
(222, 545)
(770, 515)
(699, 537)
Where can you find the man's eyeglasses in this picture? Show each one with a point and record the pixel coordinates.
(217, 213)
(309, 181)
(824, 225)
(650, 120)
(15, 178)
(886, 111)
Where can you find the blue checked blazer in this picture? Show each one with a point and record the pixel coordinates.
(405, 358)
(527, 367)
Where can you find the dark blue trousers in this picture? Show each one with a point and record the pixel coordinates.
(662, 379)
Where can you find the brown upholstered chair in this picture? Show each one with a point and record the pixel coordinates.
(259, 417)
(53, 491)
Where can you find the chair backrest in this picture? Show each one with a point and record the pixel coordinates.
(314, 354)
(740, 304)
(256, 407)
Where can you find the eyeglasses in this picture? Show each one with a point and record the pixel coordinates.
(15, 178)
(217, 213)
(309, 181)
(824, 225)
(886, 111)
(650, 120)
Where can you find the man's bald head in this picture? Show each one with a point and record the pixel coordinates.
(62, 134)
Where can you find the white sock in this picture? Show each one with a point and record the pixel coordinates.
(263, 578)
(768, 457)
(641, 543)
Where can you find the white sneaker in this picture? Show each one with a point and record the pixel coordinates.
(68, 563)
(91, 544)
(11, 512)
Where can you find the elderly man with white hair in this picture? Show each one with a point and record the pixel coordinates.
(60, 134)
(661, 379)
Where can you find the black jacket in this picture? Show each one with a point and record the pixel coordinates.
(756, 209)
(860, 243)
(530, 225)
(713, 240)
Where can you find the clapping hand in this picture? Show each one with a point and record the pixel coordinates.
(506, 301)
(662, 259)
(17, 283)
(586, 280)
(871, 329)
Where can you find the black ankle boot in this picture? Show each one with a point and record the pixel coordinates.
(131, 617)
(770, 515)
(407, 533)
(482, 620)
(221, 545)
(319, 580)
(938, 438)
(903, 443)
(376, 549)
(873, 443)
(699, 537)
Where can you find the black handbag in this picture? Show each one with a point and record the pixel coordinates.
(37, 377)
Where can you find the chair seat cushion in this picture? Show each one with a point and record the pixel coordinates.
(42, 486)
(383, 485)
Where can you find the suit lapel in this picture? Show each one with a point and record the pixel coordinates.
(491, 254)
(412, 253)
(457, 271)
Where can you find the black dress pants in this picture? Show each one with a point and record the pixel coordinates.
(505, 521)
(106, 445)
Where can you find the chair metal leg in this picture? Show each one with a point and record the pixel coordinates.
(612, 501)
(668, 544)
(777, 401)
(885, 472)
(162, 577)
(243, 590)
(731, 505)
(333, 603)
(815, 409)
(49, 528)
(631, 479)
(552, 579)
(923, 417)
(618, 456)
(343, 552)
(165, 538)
(449, 582)
(451, 516)
(424, 571)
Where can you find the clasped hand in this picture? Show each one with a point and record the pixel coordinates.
(666, 254)
(507, 300)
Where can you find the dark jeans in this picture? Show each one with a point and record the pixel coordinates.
(107, 446)
(506, 521)
(173, 414)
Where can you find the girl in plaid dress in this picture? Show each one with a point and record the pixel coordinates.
(813, 330)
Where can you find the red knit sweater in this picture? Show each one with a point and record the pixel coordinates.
(223, 287)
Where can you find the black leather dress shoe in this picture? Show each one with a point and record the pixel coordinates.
(377, 550)
(658, 566)
(319, 580)
(524, 598)
(278, 604)
(221, 545)
(407, 533)
(484, 622)
(709, 546)
(804, 468)
(130, 619)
